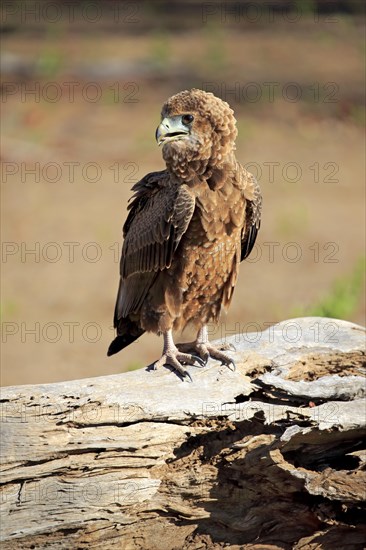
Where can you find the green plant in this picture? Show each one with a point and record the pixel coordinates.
(343, 297)
(160, 49)
(215, 57)
(135, 365)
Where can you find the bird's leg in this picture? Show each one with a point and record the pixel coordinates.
(173, 357)
(206, 350)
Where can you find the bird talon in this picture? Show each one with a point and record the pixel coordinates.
(187, 375)
(232, 362)
(229, 363)
(199, 360)
(224, 346)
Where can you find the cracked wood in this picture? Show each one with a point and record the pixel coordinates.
(267, 455)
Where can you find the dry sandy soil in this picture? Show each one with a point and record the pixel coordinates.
(57, 301)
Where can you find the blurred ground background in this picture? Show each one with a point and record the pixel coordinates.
(82, 90)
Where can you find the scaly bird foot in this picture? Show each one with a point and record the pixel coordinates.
(207, 350)
(176, 359)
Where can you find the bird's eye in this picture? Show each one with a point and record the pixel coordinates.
(187, 119)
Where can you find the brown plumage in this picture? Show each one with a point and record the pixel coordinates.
(187, 230)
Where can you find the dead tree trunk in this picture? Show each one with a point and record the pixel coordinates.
(269, 456)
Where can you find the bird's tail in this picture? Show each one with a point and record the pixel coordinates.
(128, 332)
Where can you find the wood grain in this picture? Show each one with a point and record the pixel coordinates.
(257, 458)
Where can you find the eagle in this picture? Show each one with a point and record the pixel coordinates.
(187, 230)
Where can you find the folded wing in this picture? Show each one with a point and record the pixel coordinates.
(159, 215)
(253, 211)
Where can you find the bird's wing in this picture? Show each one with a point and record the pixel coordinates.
(159, 215)
(253, 208)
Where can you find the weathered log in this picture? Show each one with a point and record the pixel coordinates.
(269, 456)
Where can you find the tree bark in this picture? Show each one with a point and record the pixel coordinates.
(271, 456)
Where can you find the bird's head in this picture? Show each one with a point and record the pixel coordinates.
(197, 132)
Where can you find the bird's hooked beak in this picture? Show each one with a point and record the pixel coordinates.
(171, 128)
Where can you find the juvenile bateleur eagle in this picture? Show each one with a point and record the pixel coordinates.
(188, 228)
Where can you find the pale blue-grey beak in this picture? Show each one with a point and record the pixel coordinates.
(171, 128)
